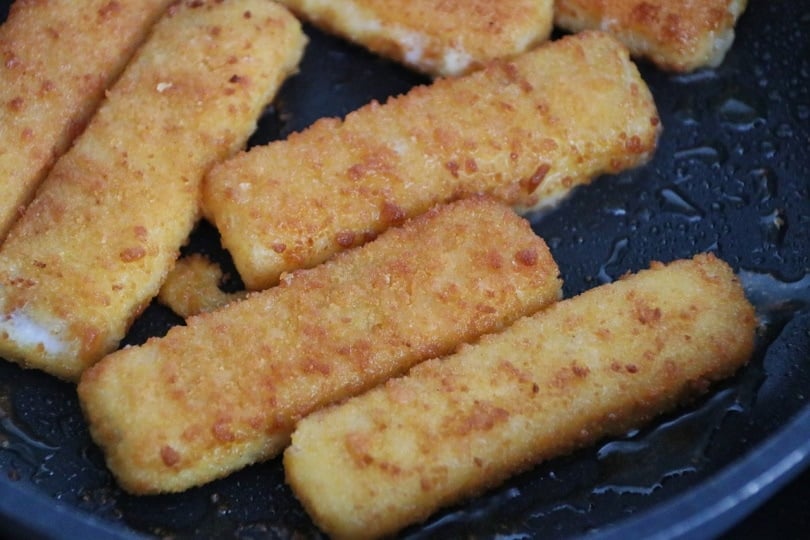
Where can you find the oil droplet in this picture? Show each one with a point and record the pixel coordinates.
(768, 149)
(739, 115)
(675, 202)
(640, 464)
(617, 211)
(13, 432)
(685, 110)
(709, 154)
(695, 76)
(784, 131)
(619, 248)
(766, 183)
(774, 227)
(771, 294)
(17, 440)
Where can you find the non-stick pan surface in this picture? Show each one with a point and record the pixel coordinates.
(731, 176)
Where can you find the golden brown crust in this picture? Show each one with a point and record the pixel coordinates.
(437, 37)
(107, 224)
(192, 287)
(226, 390)
(56, 60)
(680, 35)
(583, 368)
(526, 131)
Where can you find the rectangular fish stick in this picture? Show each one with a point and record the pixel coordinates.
(525, 131)
(436, 37)
(56, 60)
(226, 390)
(595, 365)
(108, 222)
(677, 35)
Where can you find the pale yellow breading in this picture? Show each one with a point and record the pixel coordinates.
(526, 131)
(56, 60)
(105, 228)
(226, 390)
(436, 37)
(677, 35)
(595, 365)
(192, 287)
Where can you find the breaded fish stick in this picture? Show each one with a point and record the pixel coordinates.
(106, 226)
(595, 365)
(526, 131)
(56, 60)
(226, 390)
(677, 35)
(436, 37)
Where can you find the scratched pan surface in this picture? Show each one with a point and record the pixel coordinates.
(731, 176)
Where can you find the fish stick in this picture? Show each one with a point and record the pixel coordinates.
(56, 60)
(436, 37)
(679, 35)
(526, 131)
(226, 390)
(595, 365)
(94, 246)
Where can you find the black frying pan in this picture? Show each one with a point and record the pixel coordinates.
(731, 175)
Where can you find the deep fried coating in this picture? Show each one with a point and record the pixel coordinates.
(192, 287)
(226, 390)
(526, 131)
(56, 60)
(596, 365)
(678, 35)
(436, 37)
(105, 228)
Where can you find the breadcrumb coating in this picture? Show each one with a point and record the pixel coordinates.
(595, 365)
(526, 131)
(677, 35)
(56, 60)
(106, 226)
(436, 37)
(226, 390)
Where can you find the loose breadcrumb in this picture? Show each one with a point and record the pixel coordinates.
(193, 287)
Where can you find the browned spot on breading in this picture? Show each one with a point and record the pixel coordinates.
(16, 104)
(110, 8)
(580, 371)
(132, 254)
(357, 445)
(222, 430)
(345, 239)
(170, 456)
(533, 182)
(527, 257)
(647, 314)
(483, 417)
(453, 167)
(392, 214)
